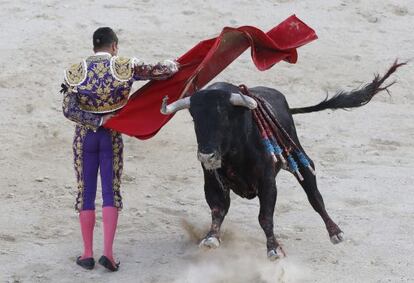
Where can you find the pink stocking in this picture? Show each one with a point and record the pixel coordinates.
(110, 221)
(87, 223)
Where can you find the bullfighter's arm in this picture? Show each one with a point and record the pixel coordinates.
(160, 71)
(72, 112)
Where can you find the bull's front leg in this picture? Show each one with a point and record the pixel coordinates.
(267, 197)
(218, 198)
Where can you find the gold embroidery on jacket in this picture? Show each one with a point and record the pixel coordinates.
(100, 70)
(105, 84)
(106, 106)
(122, 68)
(76, 74)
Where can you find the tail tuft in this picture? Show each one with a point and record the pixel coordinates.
(355, 98)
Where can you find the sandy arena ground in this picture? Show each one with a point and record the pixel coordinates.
(364, 158)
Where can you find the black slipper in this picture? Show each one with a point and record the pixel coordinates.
(107, 263)
(87, 263)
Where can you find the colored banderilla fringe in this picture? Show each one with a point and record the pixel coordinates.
(276, 140)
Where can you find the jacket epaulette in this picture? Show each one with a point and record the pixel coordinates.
(122, 68)
(76, 74)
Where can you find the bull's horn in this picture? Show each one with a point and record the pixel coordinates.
(180, 104)
(238, 99)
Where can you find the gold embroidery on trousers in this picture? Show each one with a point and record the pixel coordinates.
(80, 134)
(117, 167)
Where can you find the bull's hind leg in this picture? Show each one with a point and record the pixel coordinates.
(218, 198)
(267, 198)
(316, 200)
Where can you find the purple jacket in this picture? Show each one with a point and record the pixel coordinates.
(102, 84)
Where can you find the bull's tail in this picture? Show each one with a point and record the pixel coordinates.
(355, 98)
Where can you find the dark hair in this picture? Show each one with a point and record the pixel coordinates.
(104, 37)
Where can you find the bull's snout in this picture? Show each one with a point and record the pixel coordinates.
(210, 161)
(206, 157)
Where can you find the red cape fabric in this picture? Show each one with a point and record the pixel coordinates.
(141, 117)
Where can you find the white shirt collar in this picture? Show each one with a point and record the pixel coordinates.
(102, 53)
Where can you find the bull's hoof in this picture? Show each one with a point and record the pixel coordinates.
(210, 243)
(336, 239)
(272, 255)
(276, 254)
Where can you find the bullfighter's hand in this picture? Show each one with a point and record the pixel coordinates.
(172, 65)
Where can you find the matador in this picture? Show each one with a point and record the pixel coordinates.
(94, 89)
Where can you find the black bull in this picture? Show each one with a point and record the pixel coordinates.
(233, 156)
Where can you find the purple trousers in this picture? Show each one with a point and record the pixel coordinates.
(98, 151)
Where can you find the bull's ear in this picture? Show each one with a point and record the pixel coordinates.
(180, 104)
(238, 99)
